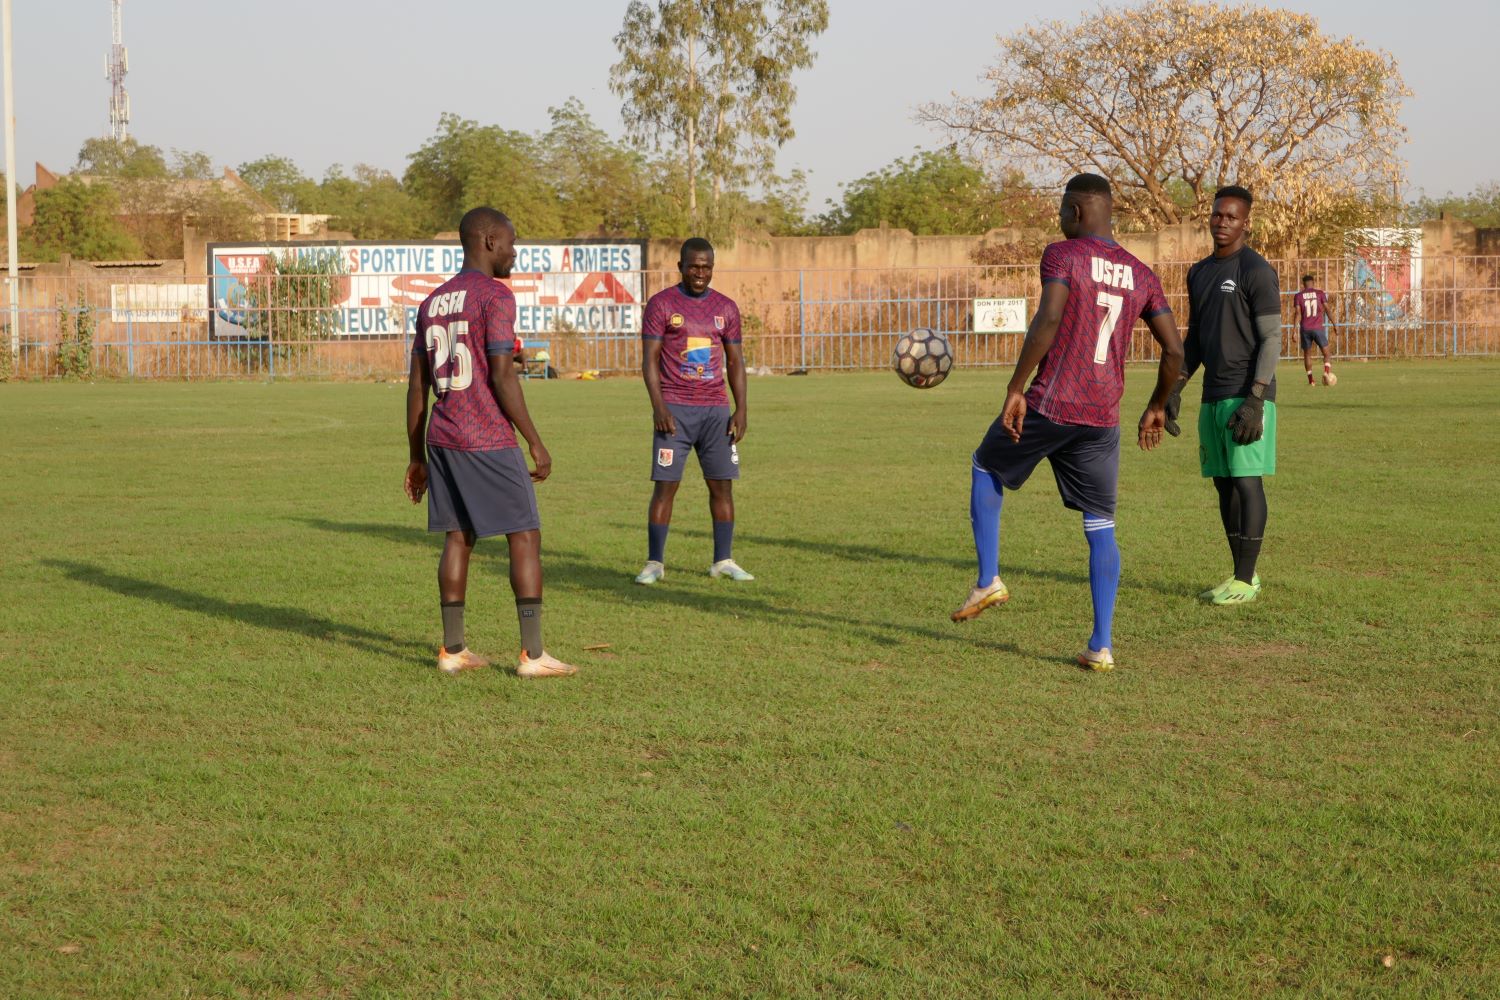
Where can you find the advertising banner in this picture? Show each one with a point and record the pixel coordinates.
(1385, 275)
(157, 303)
(372, 290)
(999, 315)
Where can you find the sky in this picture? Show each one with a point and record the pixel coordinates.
(364, 81)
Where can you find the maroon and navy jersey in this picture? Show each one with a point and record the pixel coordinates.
(1082, 376)
(693, 332)
(1312, 306)
(470, 318)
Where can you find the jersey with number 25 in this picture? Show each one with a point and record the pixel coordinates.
(470, 318)
(1082, 376)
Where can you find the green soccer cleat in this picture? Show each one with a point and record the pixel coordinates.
(1209, 595)
(653, 572)
(1237, 593)
(729, 568)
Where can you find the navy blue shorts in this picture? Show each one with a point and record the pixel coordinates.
(704, 429)
(486, 492)
(1085, 460)
(1311, 337)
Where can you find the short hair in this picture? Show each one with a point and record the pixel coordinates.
(1089, 184)
(1235, 191)
(695, 244)
(1308, 277)
(478, 223)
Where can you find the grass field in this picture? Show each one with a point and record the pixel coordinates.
(227, 767)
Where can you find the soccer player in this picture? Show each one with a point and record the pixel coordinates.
(1234, 333)
(1312, 310)
(472, 470)
(1092, 292)
(690, 346)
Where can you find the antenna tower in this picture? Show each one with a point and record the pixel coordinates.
(115, 68)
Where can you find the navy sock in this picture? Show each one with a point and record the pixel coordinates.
(656, 544)
(985, 499)
(1104, 576)
(723, 540)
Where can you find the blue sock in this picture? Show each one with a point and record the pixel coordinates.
(656, 546)
(723, 540)
(985, 497)
(1104, 575)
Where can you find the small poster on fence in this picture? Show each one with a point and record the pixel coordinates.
(999, 315)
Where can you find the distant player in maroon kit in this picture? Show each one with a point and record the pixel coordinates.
(1092, 293)
(690, 348)
(472, 470)
(1312, 315)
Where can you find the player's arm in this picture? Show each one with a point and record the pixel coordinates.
(1039, 337)
(506, 385)
(734, 367)
(651, 372)
(1163, 329)
(418, 383)
(1247, 423)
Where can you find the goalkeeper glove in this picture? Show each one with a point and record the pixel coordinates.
(1249, 421)
(1174, 406)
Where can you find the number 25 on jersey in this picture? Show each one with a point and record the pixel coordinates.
(448, 343)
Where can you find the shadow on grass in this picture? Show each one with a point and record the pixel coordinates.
(611, 583)
(267, 616)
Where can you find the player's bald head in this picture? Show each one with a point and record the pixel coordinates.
(478, 223)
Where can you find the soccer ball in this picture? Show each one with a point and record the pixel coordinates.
(1329, 378)
(923, 358)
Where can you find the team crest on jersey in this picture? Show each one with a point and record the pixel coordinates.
(676, 321)
(718, 322)
(664, 457)
(1228, 286)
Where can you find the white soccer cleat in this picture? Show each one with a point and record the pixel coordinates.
(456, 663)
(653, 572)
(980, 598)
(545, 665)
(1100, 659)
(729, 568)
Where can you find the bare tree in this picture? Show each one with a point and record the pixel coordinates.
(1173, 98)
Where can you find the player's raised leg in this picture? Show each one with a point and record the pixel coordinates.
(986, 498)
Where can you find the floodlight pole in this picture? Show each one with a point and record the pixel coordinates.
(10, 191)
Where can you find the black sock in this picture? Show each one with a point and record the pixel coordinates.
(453, 626)
(1251, 495)
(529, 611)
(1229, 514)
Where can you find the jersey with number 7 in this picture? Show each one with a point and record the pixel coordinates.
(1082, 376)
(469, 319)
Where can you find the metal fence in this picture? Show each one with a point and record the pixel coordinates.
(145, 327)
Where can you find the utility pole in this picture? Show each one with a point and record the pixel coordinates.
(115, 68)
(12, 288)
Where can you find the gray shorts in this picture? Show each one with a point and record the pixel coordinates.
(1311, 337)
(486, 492)
(704, 429)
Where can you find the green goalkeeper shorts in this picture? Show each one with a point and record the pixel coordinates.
(1217, 451)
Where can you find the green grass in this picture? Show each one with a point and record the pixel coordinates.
(227, 767)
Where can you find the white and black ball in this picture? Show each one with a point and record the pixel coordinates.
(922, 358)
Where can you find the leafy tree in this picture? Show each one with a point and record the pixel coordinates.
(1175, 97)
(106, 157)
(467, 164)
(371, 204)
(78, 218)
(1480, 206)
(934, 193)
(278, 180)
(712, 81)
(602, 187)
